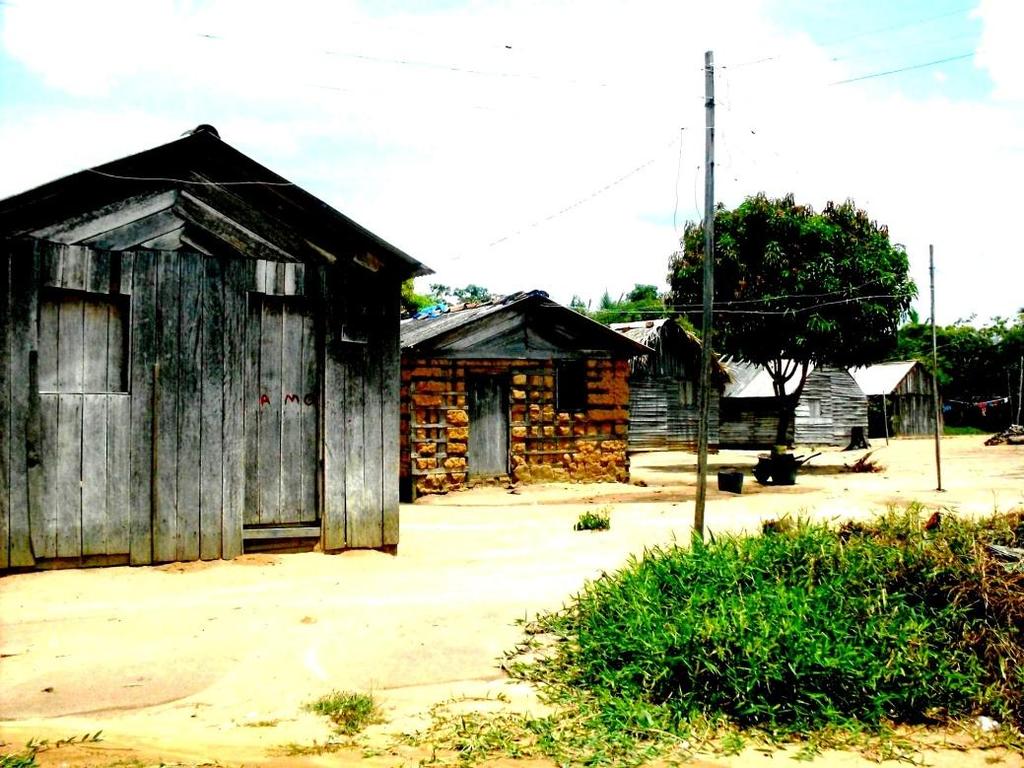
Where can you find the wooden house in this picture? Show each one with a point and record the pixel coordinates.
(519, 387)
(830, 406)
(663, 387)
(899, 399)
(197, 358)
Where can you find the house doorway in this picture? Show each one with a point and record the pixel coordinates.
(488, 426)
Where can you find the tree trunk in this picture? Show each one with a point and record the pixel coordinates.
(782, 373)
(787, 414)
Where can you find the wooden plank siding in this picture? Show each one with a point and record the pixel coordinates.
(135, 414)
(663, 415)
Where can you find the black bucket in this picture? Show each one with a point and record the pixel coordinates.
(730, 480)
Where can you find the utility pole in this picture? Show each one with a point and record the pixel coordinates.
(935, 369)
(704, 401)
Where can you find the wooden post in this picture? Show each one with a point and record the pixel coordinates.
(935, 380)
(704, 401)
(885, 418)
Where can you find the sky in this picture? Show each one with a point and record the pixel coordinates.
(557, 145)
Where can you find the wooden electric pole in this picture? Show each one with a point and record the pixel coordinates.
(935, 369)
(704, 400)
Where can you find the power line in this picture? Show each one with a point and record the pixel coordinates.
(580, 201)
(908, 68)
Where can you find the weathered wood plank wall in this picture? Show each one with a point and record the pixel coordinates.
(663, 415)
(128, 380)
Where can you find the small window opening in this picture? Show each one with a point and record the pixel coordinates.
(571, 386)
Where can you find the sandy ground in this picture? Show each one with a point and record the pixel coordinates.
(213, 661)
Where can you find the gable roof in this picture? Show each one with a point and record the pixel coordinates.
(201, 193)
(654, 334)
(748, 380)
(882, 378)
(522, 325)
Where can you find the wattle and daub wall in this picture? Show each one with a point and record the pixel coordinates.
(545, 442)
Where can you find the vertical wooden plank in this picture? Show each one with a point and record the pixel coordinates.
(310, 419)
(279, 278)
(23, 308)
(143, 335)
(49, 264)
(358, 517)
(254, 399)
(44, 530)
(124, 272)
(189, 396)
(369, 523)
(269, 443)
(289, 279)
(5, 403)
(389, 329)
(118, 468)
(74, 267)
(261, 276)
(94, 474)
(48, 352)
(33, 444)
(71, 345)
(211, 480)
(293, 383)
(299, 278)
(333, 430)
(69, 477)
(95, 355)
(99, 272)
(238, 281)
(165, 521)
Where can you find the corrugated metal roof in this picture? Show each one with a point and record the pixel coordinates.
(882, 378)
(643, 331)
(418, 330)
(749, 380)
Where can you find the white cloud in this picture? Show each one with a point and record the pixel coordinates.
(1000, 51)
(504, 114)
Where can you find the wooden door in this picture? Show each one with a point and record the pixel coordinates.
(81, 509)
(488, 426)
(282, 416)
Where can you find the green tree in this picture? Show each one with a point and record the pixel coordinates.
(413, 302)
(796, 288)
(471, 294)
(641, 303)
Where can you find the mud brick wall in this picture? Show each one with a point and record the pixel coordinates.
(545, 445)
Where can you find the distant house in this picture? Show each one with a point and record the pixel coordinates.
(518, 387)
(830, 406)
(201, 359)
(663, 386)
(899, 398)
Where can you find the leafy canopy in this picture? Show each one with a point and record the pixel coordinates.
(791, 283)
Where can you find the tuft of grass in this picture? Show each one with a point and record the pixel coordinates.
(26, 758)
(349, 711)
(599, 520)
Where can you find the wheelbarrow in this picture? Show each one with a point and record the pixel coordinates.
(780, 468)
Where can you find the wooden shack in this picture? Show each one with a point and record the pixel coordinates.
(518, 388)
(663, 388)
(830, 406)
(900, 400)
(197, 358)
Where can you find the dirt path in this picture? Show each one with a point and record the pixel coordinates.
(213, 661)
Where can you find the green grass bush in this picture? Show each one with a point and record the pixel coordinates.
(803, 629)
(601, 520)
(349, 712)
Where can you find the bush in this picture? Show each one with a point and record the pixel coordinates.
(805, 628)
(601, 520)
(349, 712)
